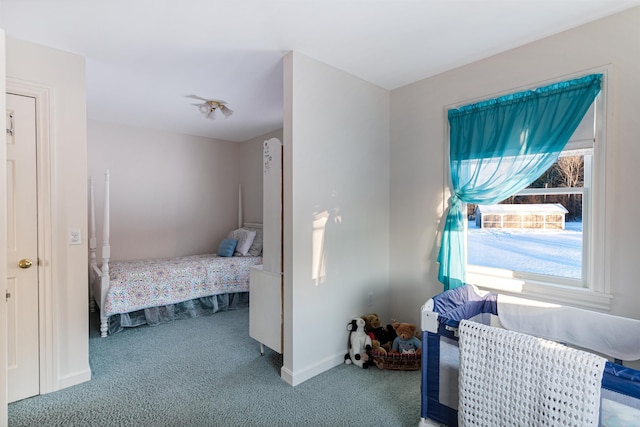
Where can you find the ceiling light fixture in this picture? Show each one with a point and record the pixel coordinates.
(209, 107)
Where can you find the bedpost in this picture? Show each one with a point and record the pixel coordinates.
(106, 254)
(93, 263)
(106, 248)
(240, 214)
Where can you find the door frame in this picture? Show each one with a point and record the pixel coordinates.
(46, 326)
(3, 236)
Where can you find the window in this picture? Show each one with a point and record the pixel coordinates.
(548, 240)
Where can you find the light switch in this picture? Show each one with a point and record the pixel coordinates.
(75, 238)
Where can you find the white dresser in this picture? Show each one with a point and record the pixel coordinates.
(265, 309)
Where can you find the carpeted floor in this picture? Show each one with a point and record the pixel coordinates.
(207, 371)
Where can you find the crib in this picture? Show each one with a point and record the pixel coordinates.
(442, 315)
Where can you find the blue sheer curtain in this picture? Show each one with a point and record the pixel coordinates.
(500, 146)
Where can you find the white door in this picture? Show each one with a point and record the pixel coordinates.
(23, 365)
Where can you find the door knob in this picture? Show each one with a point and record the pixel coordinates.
(25, 263)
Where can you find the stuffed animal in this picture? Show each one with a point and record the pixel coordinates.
(359, 344)
(406, 341)
(381, 336)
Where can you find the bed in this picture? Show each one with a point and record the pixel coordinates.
(443, 357)
(153, 291)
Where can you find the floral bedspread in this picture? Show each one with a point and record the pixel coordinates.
(139, 284)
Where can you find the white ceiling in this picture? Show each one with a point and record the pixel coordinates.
(145, 56)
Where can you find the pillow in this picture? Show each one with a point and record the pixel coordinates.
(245, 239)
(256, 246)
(226, 247)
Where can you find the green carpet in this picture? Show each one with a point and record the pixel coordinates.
(207, 371)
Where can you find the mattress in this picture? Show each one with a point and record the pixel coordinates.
(139, 284)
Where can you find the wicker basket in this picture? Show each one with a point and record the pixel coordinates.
(397, 361)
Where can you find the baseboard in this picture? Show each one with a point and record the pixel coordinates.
(301, 375)
(74, 379)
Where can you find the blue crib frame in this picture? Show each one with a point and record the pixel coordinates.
(616, 377)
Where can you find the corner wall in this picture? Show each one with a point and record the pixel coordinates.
(171, 194)
(336, 211)
(418, 145)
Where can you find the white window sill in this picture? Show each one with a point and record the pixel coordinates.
(549, 292)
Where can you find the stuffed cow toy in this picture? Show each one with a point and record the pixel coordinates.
(359, 344)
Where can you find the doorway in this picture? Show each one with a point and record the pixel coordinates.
(23, 367)
(40, 306)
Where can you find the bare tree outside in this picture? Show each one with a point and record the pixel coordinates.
(570, 171)
(566, 172)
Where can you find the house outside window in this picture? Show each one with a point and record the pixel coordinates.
(548, 240)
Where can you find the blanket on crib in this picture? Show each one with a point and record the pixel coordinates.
(509, 378)
(604, 333)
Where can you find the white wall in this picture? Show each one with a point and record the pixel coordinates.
(336, 168)
(64, 75)
(251, 162)
(171, 194)
(418, 127)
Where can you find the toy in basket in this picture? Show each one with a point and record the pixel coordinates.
(406, 352)
(381, 336)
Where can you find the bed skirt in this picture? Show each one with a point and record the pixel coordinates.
(184, 310)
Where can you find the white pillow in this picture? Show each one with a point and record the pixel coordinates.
(245, 239)
(256, 246)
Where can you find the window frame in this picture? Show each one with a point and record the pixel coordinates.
(594, 290)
